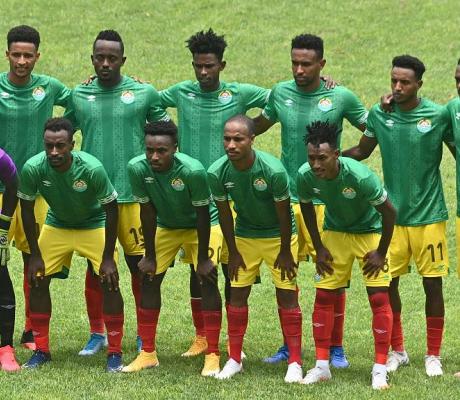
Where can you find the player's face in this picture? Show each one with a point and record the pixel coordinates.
(404, 85)
(159, 150)
(323, 160)
(22, 57)
(207, 70)
(306, 67)
(457, 79)
(107, 60)
(237, 141)
(58, 147)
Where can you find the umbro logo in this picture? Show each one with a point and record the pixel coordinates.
(113, 333)
(390, 123)
(8, 306)
(149, 179)
(317, 325)
(229, 185)
(4, 95)
(288, 102)
(91, 97)
(46, 183)
(380, 331)
(316, 190)
(191, 95)
(457, 116)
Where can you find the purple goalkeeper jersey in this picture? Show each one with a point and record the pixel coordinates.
(7, 167)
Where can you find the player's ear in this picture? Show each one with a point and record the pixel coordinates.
(72, 145)
(123, 61)
(37, 56)
(322, 63)
(222, 65)
(419, 83)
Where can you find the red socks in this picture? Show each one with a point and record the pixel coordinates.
(26, 289)
(114, 326)
(291, 323)
(212, 324)
(41, 327)
(397, 337)
(147, 327)
(197, 316)
(237, 324)
(434, 330)
(322, 321)
(381, 325)
(339, 319)
(93, 295)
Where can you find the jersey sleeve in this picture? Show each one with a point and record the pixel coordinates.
(370, 124)
(140, 195)
(7, 168)
(61, 93)
(156, 111)
(304, 190)
(355, 112)
(70, 111)
(280, 186)
(168, 97)
(269, 111)
(199, 188)
(372, 190)
(254, 96)
(28, 183)
(104, 190)
(217, 188)
(448, 133)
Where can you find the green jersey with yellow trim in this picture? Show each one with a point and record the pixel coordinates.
(454, 111)
(75, 196)
(411, 150)
(23, 113)
(202, 115)
(175, 193)
(350, 197)
(295, 110)
(112, 123)
(254, 193)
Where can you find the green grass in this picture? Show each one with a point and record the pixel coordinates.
(361, 37)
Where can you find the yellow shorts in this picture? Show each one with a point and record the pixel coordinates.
(169, 241)
(426, 244)
(129, 232)
(57, 246)
(306, 248)
(345, 248)
(16, 231)
(224, 254)
(254, 251)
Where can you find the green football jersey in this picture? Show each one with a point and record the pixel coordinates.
(112, 123)
(23, 113)
(454, 111)
(411, 150)
(350, 197)
(295, 110)
(75, 196)
(174, 193)
(254, 193)
(202, 115)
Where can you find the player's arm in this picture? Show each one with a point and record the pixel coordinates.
(323, 256)
(205, 268)
(375, 261)
(108, 270)
(363, 150)
(262, 124)
(148, 215)
(451, 147)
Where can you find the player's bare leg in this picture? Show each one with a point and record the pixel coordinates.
(27, 338)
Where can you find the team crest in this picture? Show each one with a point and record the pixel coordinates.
(260, 185)
(38, 93)
(325, 104)
(127, 97)
(349, 193)
(424, 125)
(4, 95)
(178, 184)
(80, 185)
(317, 277)
(225, 97)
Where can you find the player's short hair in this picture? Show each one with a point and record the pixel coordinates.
(60, 124)
(161, 128)
(322, 132)
(409, 62)
(309, 42)
(111, 36)
(245, 120)
(207, 43)
(23, 33)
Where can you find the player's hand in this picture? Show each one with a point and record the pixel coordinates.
(329, 83)
(206, 270)
(4, 248)
(386, 103)
(36, 270)
(148, 266)
(374, 262)
(89, 80)
(138, 80)
(235, 261)
(324, 262)
(108, 273)
(285, 262)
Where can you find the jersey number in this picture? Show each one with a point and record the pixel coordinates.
(432, 250)
(138, 236)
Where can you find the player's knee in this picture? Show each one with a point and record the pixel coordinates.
(432, 286)
(239, 296)
(132, 262)
(287, 299)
